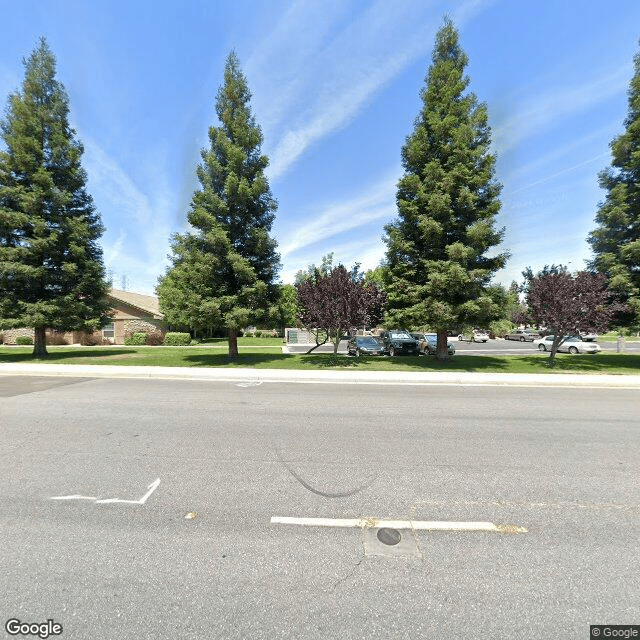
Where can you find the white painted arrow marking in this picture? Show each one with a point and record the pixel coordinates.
(151, 488)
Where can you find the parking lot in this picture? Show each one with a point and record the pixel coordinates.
(492, 347)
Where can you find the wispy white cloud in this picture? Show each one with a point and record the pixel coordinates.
(465, 11)
(112, 252)
(561, 172)
(143, 219)
(368, 252)
(321, 84)
(278, 75)
(110, 182)
(564, 153)
(373, 203)
(546, 109)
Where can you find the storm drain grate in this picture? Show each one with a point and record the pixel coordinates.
(388, 536)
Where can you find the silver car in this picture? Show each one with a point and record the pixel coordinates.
(477, 335)
(571, 344)
(523, 335)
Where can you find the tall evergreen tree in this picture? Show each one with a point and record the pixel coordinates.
(616, 240)
(51, 269)
(437, 268)
(223, 270)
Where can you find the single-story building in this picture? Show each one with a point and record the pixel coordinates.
(133, 312)
(130, 312)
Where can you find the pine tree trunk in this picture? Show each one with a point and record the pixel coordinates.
(233, 343)
(442, 351)
(40, 343)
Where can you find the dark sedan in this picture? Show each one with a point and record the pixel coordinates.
(399, 342)
(365, 345)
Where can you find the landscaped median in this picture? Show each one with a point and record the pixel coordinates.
(271, 357)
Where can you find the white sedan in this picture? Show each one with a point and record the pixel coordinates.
(571, 344)
(476, 336)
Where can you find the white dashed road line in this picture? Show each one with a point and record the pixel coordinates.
(422, 525)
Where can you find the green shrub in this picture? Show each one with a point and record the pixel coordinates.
(24, 340)
(258, 334)
(136, 339)
(500, 328)
(173, 339)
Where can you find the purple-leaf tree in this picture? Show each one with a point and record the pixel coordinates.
(335, 303)
(568, 304)
(520, 316)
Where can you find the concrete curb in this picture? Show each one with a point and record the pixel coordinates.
(330, 377)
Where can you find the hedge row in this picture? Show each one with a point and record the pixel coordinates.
(177, 339)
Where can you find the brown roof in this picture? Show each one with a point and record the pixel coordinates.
(150, 304)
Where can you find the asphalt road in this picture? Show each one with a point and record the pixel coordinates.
(114, 555)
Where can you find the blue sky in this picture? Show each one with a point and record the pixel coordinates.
(336, 90)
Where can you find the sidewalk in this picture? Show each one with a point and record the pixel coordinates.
(258, 376)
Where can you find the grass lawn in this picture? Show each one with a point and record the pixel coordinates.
(273, 358)
(612, 336)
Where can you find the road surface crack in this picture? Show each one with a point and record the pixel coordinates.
(348, 575)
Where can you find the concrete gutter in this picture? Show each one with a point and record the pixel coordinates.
(249, 375)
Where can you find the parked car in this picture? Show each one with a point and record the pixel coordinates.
(588, 336)
(399, 342)
(544, 344)
(570, 344)
(365, 345)
(476, 336)
(523, 335)
(428, 344)
(575, 344)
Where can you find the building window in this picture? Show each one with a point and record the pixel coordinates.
(109, 330)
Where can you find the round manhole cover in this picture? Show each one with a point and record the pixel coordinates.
(389, 536)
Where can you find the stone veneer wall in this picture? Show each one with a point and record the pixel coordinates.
(9, 335)
(148, 326)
